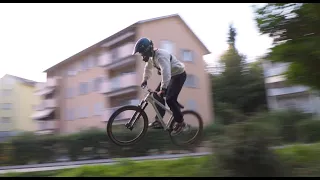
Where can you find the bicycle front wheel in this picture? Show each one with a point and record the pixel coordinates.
(127, 125)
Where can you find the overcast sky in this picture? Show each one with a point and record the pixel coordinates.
(34, 36)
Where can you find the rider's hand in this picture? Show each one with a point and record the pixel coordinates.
(161, 93)
(144, 84)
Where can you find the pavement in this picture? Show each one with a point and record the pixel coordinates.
(74, 164)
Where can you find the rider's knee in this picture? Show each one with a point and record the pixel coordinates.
(170, 101)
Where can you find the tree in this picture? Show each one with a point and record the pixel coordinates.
(239, 89)
(295, 29)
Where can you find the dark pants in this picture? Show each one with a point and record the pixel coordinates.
(173, 91)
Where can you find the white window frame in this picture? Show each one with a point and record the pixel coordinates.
(185, 52)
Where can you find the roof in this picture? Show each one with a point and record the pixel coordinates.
(123, 31)
(22, 80)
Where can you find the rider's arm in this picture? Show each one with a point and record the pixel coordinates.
(165, 67)
(147, 71)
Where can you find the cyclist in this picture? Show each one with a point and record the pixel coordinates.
(173, 76)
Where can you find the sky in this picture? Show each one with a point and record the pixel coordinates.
(36, 36)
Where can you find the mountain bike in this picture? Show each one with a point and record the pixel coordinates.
(130, 122)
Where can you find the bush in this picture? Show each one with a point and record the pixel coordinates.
(244, 151)
(214, 129)
(309, 131)
(284, 123)
(87, 144)
(228, 114)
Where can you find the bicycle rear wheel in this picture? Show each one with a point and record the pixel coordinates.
(137, 118)
(193, 134)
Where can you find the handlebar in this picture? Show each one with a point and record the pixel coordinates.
(147, 89)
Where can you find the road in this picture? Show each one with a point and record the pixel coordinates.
(74, 164)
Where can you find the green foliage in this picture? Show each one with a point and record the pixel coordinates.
(295, 30)
(244, 152)
(239, 89)
(283, 123)
(308, 131)
(89, 144)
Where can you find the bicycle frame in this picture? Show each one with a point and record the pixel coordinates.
(143, 104)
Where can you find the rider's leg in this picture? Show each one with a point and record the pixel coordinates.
(173, 91)
(156, 124)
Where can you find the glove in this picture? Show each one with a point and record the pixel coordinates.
(144, 84)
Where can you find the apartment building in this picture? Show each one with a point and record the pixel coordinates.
(17, 100)
(281, 95)
(89, 86)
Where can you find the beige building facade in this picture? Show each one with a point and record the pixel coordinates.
(86, 88)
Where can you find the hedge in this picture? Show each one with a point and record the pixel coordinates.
(296, 161)
(89, 144)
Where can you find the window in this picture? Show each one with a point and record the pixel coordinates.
(167, 45)
(97, 83)
(72, 71)
(6, 106)
(70, 115)
(5, 120)
(114, 54)
(84, 64)
(83, 88)
(69, 93)
(6, 92)
(191, 81)
(83, 112)
(187, 55)
(43, 125)
(98, 109)
(192, 104)
(91, 62)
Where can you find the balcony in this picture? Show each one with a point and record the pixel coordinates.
(275, 70)
(45, 127)
(120, 85)
(275, 79)
(121, 117)
(286, 90)
(118, 58)
(119, 39)
(46, 104)
(40, 86)
(45, 88)
(52, 82)
(44, 115)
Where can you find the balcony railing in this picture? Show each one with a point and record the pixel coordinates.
(118, 56)
(46, 104)
(286, 90)
(118, 83)
(276, 70)
(125, 115)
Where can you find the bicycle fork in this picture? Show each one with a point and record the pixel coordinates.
(133, 119)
